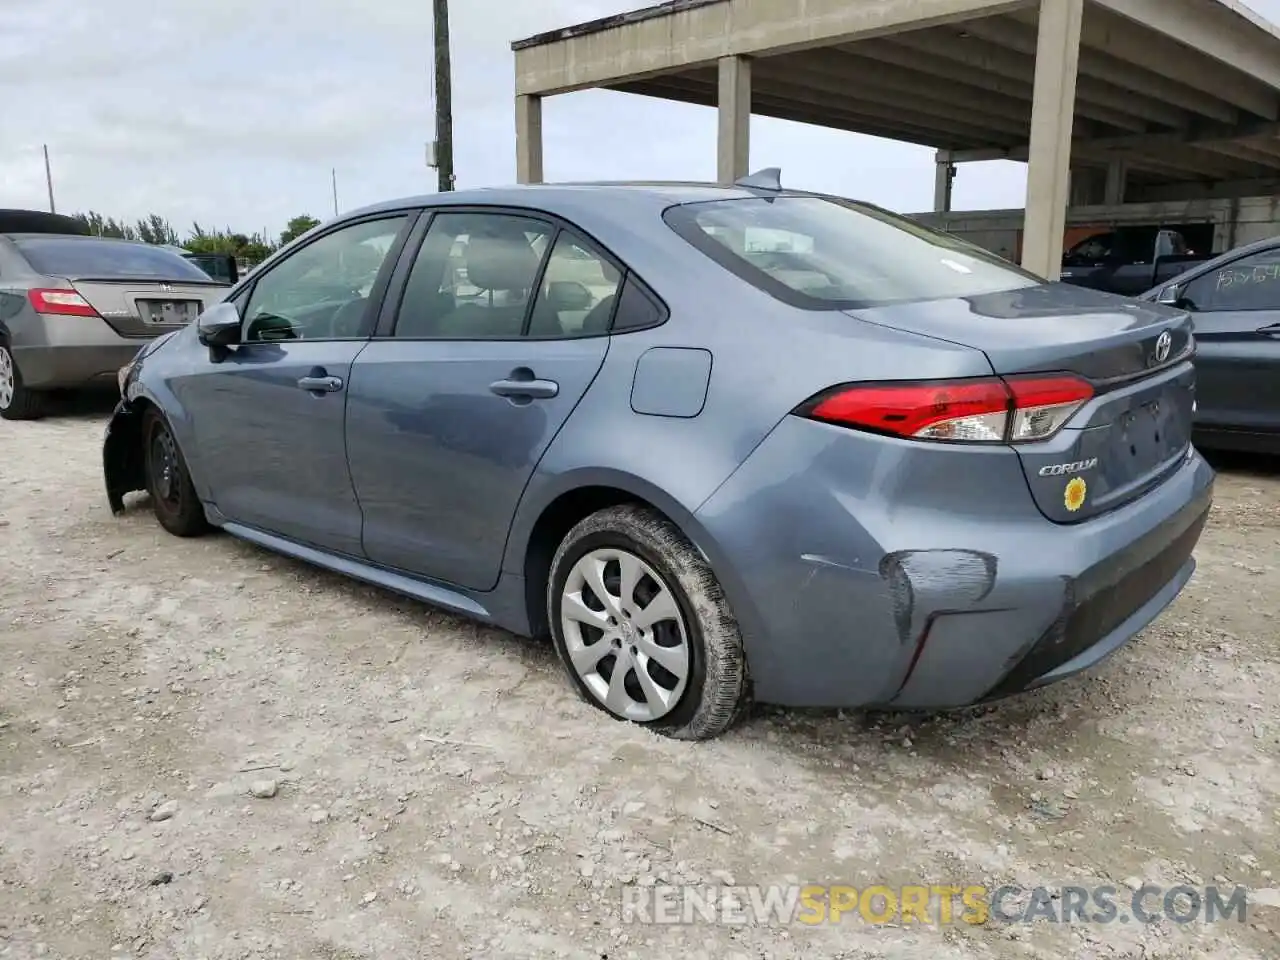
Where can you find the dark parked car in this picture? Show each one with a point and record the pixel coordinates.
(1234, 301)
(716, 441)
(1129, 260)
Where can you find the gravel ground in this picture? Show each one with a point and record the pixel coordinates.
(208, 751)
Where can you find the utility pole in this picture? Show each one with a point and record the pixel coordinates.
(444, 96)
(48, 178)
(333, 172)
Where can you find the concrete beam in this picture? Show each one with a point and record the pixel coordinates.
(1157, 51)
(1214, 30)
(1201, 134)
(831, 85)
(906, 87)
(921, 115)
(1053, 109)
(733, 137)
(1221, 189)
(703, 34)
(977, 65)
(1100, 77)
(703, 92)
(528, 139)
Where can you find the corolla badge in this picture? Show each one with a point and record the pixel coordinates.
(1067, 469)
(1164, 343)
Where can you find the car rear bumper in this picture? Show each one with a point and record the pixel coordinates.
(869, 571)
(73, 352)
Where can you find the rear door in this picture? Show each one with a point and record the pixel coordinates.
(501, 327)
(140, 290)
(1236, 309)
(268, 416)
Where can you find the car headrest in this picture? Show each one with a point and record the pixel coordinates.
(500, 263)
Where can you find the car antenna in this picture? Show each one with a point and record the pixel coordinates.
(770, 178)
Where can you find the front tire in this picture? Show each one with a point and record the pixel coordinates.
(642, 625)
(173, 496)
(16, 401)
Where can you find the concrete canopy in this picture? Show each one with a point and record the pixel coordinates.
(1144, 93)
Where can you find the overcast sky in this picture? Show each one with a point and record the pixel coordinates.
(233, 112)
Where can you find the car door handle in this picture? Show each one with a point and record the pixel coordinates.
(515, 387)
(321, 384)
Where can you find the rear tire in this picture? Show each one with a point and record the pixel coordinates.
(16, 401)
(663, 620)
(173, 496)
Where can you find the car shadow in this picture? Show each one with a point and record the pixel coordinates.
(81, 404)
(1242, 463)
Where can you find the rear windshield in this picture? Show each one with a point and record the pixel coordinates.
(103, 259)
(822, 253)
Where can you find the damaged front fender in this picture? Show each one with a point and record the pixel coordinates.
(123, 464)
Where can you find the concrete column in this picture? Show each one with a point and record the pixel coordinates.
(1049, 157)
(1117, 175)
(944, 175)
(733, 144)
(528, 139)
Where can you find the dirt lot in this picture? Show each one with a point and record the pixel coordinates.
(439, 792)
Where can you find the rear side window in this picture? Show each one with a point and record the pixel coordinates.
(820, 253)
(1250, 283)
(103, 259)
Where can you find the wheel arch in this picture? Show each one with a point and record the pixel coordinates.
(572, 497)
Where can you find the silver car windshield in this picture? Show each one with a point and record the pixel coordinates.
(825, 253)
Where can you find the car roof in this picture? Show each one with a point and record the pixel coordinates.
(79, 236)
(660, 194)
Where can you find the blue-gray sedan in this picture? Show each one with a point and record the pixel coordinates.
(721, 443)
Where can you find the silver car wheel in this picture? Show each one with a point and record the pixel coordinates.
(8, 380)
(625, 634)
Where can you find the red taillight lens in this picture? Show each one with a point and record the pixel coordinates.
(64, 303)
(988, 410)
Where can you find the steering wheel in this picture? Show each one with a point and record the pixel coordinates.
(346, 320)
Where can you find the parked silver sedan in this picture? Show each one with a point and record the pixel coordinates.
(74, 310)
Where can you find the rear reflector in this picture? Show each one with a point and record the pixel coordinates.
(987, 410)
(65, 303)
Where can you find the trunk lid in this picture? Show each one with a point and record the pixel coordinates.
(148, 308)
(1135, 430)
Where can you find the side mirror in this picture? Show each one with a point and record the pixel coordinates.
(1170, 295)
(219, 326)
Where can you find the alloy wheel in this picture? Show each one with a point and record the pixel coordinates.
(625, 634)
(8, 378)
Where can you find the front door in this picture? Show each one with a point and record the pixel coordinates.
(1237, 328)
(268, 418)
(502, 328)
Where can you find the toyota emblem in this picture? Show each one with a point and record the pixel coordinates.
(1164, 343)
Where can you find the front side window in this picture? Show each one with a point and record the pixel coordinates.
(473, 277)
(1250, 283)
(321, 292)
(820, 253)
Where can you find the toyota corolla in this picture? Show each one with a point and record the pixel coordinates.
(720, 443)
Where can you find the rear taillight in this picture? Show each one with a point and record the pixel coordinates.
(987, 410)
(63, 303)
